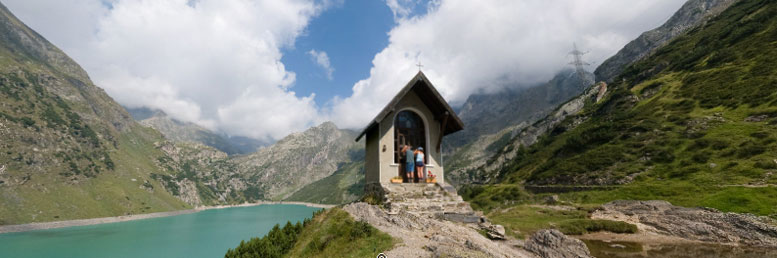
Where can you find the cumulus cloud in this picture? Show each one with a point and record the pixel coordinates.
(215, 63)
(218, 63)
(322, 60)
(483, 46)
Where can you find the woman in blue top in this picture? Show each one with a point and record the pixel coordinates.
(409, 164)
(419, 163)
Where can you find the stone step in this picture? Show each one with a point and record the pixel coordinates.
(424, 199)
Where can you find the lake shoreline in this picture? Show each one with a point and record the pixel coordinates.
(94, 221)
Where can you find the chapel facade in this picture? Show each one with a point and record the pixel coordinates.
(417, 116)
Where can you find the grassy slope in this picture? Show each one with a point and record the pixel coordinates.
(47, 198)
(675, 128)
(345, 185)
(330, 233)
(334, 233)
(63, 152)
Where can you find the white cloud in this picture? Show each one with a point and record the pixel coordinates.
(212, 62)
(218, 63)
(474, 46)
(401, 8)
(322, 60)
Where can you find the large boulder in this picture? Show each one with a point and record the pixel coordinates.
(551, 243)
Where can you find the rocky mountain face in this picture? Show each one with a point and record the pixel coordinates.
(481, 163)
(63, 140)
(485, 114)
(692, 14)
(301, 158)
(179, 131)
(202, 175)
(491, 120)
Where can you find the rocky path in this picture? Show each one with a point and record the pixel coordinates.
(426, 237)
(432, 222)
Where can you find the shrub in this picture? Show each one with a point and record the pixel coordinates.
(750, 149)
(765, 164)
(275, 244)
(701, 157)
(582, 226)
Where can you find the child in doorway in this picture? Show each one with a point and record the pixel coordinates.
(409, 163)
(420, 162)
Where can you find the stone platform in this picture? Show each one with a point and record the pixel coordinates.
(435, 202)
(423, 199)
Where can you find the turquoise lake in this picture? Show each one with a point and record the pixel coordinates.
(207, 233)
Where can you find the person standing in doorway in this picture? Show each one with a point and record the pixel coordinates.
(409, 162)
(420, 162)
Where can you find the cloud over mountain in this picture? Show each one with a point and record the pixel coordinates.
(472, 46)
(219, 63)
(215, 63)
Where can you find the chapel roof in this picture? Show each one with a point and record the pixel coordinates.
(422, 87)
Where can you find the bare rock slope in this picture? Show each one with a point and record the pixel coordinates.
(700, 224)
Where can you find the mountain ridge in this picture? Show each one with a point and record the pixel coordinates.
(68, 150)
(179, 131)
(693, 13)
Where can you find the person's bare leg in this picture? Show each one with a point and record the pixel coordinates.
(419, 170)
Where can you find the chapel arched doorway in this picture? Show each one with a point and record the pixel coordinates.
(408, 130)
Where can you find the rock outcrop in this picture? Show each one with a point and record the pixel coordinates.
(551, 243)
(433, 222)
(425, 236)
(700, 224)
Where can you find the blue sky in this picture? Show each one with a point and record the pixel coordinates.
(247, 67)
(351, 34)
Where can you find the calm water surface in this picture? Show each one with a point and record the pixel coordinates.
(204, 234)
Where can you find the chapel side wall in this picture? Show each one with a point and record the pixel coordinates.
(390, 169)
(371, 159)
(387, 167)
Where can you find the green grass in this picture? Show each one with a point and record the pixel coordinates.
(336, 234)
(756, 200)
(330, 233)
(524, 220)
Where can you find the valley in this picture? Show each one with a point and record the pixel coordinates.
(668, 146)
